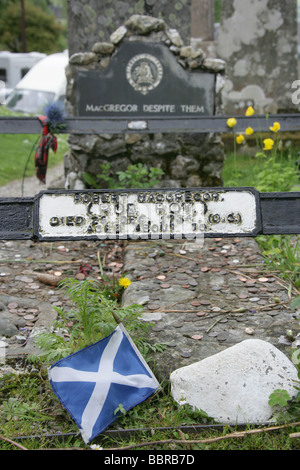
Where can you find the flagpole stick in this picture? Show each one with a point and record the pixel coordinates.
(116, 318)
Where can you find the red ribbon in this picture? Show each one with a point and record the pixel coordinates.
(47, 141)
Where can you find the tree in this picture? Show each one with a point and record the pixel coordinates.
(43, 32)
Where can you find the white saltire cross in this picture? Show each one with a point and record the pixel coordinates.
(103, 378)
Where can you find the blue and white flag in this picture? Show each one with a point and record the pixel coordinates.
(93, 382)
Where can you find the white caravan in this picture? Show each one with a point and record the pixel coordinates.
(44, 83)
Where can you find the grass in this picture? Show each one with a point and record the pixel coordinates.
(246, 169)
(29, 408)
(15, 150)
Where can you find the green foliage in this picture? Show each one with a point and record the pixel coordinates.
(295, 303)
(275, 175)
(92, 318)
(120, 409)
(218, 11)
(161, 410)
(285, 408)
(135, 176)
(43, 32)
(279, 397)
(139, 176)
(13, 409)
(282, 252)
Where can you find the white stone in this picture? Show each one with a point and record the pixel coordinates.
(118, 35)
(152, 316)
(234, 386)
(174, 36)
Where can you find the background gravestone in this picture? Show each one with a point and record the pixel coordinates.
(94, 20)
(258, 41)
(102, 80)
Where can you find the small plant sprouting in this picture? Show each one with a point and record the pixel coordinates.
(279, 397)
(135, 176)
(92, 317)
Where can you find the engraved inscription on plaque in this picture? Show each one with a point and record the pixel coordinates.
(149, 214)
(144, 80)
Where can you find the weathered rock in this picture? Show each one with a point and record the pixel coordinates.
(8, 322)
(82, 58)
(174, 37)
(118, 35)
(49, 279)
(217, 65)
(7, 328)
(189, 52)
(234, 385)
(103, 48)
(143, 24)
(184, 165)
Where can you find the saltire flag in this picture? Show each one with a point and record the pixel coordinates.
(94, 381)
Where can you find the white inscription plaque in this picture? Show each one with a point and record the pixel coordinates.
(147, 214)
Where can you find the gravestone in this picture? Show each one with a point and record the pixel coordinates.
(93, 21)
(258, 41)
(145, 71)
(143, 80)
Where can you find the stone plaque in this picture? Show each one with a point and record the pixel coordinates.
(145, 79)
(147, 214)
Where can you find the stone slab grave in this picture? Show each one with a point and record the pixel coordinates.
(188, 257)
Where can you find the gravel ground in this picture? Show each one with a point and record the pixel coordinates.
(32, 186)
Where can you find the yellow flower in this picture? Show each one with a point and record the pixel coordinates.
(240, 139)
(231, 122)
(249, 111)
(124, 282)
(249, 131)
(268, 144)
(275, 127)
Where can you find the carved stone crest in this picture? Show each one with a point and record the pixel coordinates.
(144, 72)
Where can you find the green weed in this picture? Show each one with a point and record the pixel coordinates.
(135, 176)
(92, 317)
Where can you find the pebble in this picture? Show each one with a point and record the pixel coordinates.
(12, 305)
(221, 338)
(186, 353)
(249, 331)
(29, 317)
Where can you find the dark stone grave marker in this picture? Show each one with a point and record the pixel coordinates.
(144, 80)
